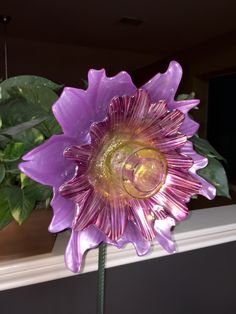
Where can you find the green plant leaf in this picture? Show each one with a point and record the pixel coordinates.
(41, 100)
(38, 192)
(214, 173)
(47, 202)
(203, 147)
(85, 83)
(2, 173)
(49, 127)
(17, 110)
(12, 170)
(31, 102)
(5, 213)
(21, 204)
(44, 97)
(30, 138)
(40, 96)
(3, 141)
(13, 152)
(13, 131)
(25, 80)
(25, 181)
(185, 96)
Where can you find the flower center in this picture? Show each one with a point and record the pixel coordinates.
(140, 171)
(129, 169)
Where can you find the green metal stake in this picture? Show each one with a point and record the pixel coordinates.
(101, 278)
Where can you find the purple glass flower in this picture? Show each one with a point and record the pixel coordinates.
(123, 169)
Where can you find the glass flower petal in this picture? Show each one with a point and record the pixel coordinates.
(124, 170)
(46, 163)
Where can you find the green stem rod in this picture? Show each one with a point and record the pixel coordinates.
(101, 278)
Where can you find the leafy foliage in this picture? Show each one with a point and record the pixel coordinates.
(12, 152)
(185, 96)
(205, 148)
(15, 130)
(2, 172)
(5, 213)
(26, 121)
(214, 172)
(26, 80)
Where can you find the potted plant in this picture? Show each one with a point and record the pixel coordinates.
(25, 121)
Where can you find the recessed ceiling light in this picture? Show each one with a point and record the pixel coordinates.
(133, 21)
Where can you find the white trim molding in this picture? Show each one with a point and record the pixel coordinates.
(203, 228)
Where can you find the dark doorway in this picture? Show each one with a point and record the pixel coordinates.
(221, 126)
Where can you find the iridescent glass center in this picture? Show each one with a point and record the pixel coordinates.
(129, 169)
(138, 169)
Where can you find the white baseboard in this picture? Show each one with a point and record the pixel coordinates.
(203, 228)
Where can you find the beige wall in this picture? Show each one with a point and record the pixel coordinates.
(67, 63)
(215, 57)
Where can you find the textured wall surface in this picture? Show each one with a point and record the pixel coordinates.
(196, 282)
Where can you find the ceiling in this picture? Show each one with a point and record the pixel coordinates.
(168, 25)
